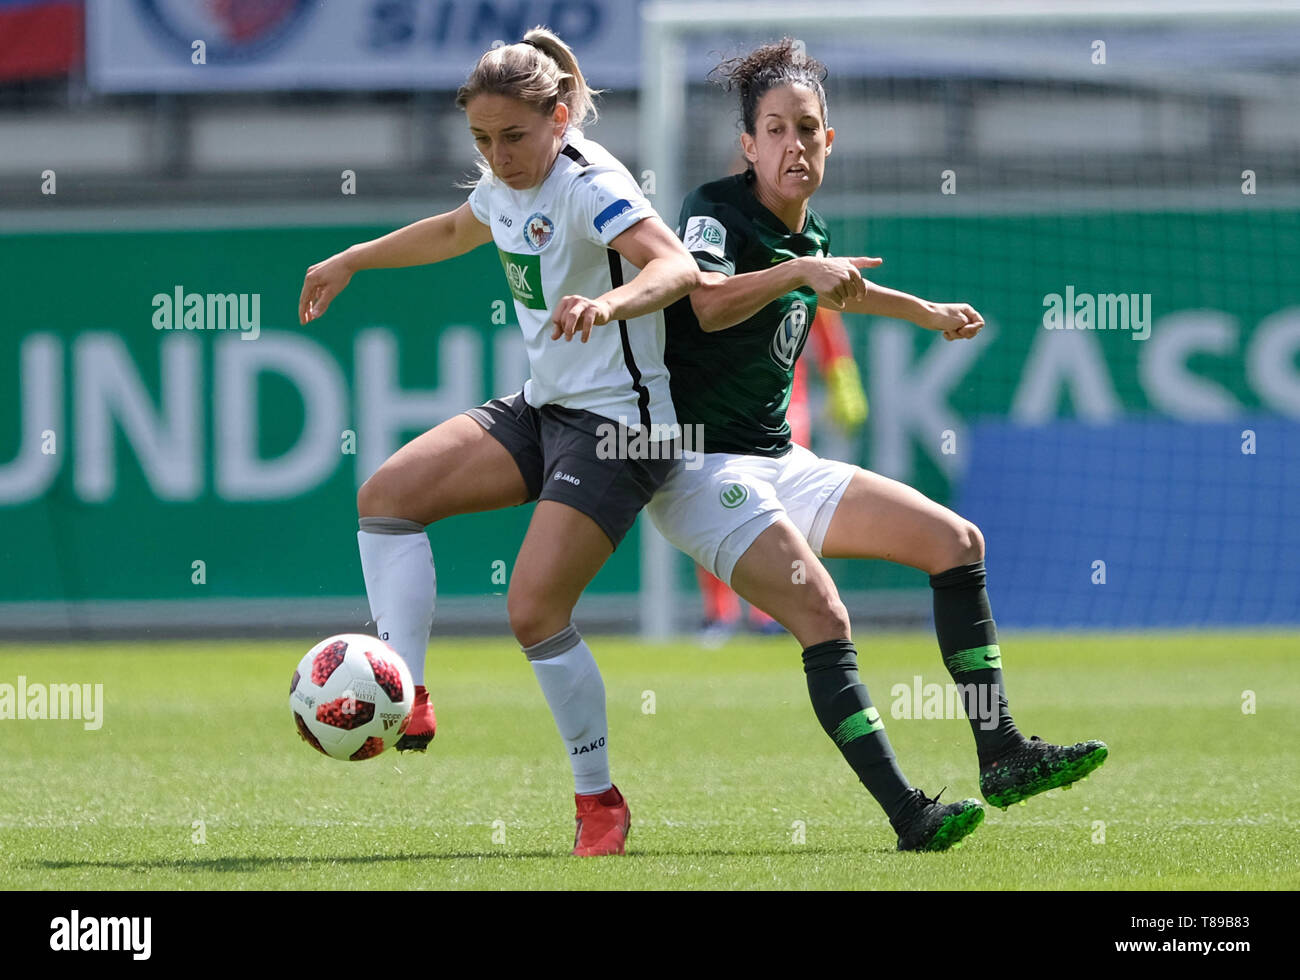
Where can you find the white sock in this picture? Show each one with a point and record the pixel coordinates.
(571, 681)
(397, 563)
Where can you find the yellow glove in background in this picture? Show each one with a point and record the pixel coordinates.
(848, 399)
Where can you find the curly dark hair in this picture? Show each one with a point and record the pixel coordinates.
(765, 68)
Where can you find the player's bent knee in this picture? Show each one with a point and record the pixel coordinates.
(833, 620)
(964, 546)
(977, 543)
(826, 618)
(532, 619)
(380, 496)
(971, 543)
(374, 499)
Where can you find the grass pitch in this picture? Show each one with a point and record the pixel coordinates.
(197, 779)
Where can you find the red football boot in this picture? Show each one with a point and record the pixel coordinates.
(422, 726)
(603, 823)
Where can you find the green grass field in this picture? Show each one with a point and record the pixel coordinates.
(197, 779)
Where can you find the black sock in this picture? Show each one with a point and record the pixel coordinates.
(844, 709)
(968, 640)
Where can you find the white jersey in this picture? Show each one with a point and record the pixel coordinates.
(554, 242)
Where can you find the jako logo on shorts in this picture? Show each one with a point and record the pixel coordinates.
(734, 495)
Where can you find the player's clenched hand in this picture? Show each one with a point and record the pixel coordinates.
(956, 321)
(323, 282)
(836, 280)
(577, 315)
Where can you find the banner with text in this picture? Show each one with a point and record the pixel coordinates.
(166, 425)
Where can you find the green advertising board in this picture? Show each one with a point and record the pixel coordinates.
(154, 445)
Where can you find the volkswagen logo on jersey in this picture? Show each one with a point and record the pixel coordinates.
(233, 30)
(538, 231)
(789, 335)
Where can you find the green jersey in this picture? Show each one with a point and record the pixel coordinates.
(735, 383)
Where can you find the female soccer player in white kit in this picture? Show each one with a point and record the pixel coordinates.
(572, 229)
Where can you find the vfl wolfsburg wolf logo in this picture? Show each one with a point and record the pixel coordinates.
(789, 335)
(733, 495)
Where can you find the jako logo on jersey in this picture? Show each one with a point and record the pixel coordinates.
(591, 747)
(789, 335)
(567, 478)
(538, 231)
(508, 222)
(621, 206)
(734, 495)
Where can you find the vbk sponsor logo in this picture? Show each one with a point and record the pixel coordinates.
(518, 276)
(524, 273)
(589, 747)
(233, 32)
(788, 339)
(538, 231)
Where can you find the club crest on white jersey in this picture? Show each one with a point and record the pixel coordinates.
(538, 231)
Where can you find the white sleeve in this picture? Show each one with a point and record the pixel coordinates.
(608, 203)
(478, 201)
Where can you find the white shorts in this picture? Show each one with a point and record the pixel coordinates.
(715, 512)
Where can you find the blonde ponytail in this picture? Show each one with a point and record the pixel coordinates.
(541, 70)
(573, 89)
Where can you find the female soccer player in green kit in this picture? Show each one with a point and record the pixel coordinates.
(760, 504)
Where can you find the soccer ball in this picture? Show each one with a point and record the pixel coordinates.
(351, 696)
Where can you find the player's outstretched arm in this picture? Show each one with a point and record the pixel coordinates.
(956, 321)
(667, 274)
(722, 301)
(429, 240)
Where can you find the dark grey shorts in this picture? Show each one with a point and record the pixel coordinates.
(558, 452)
